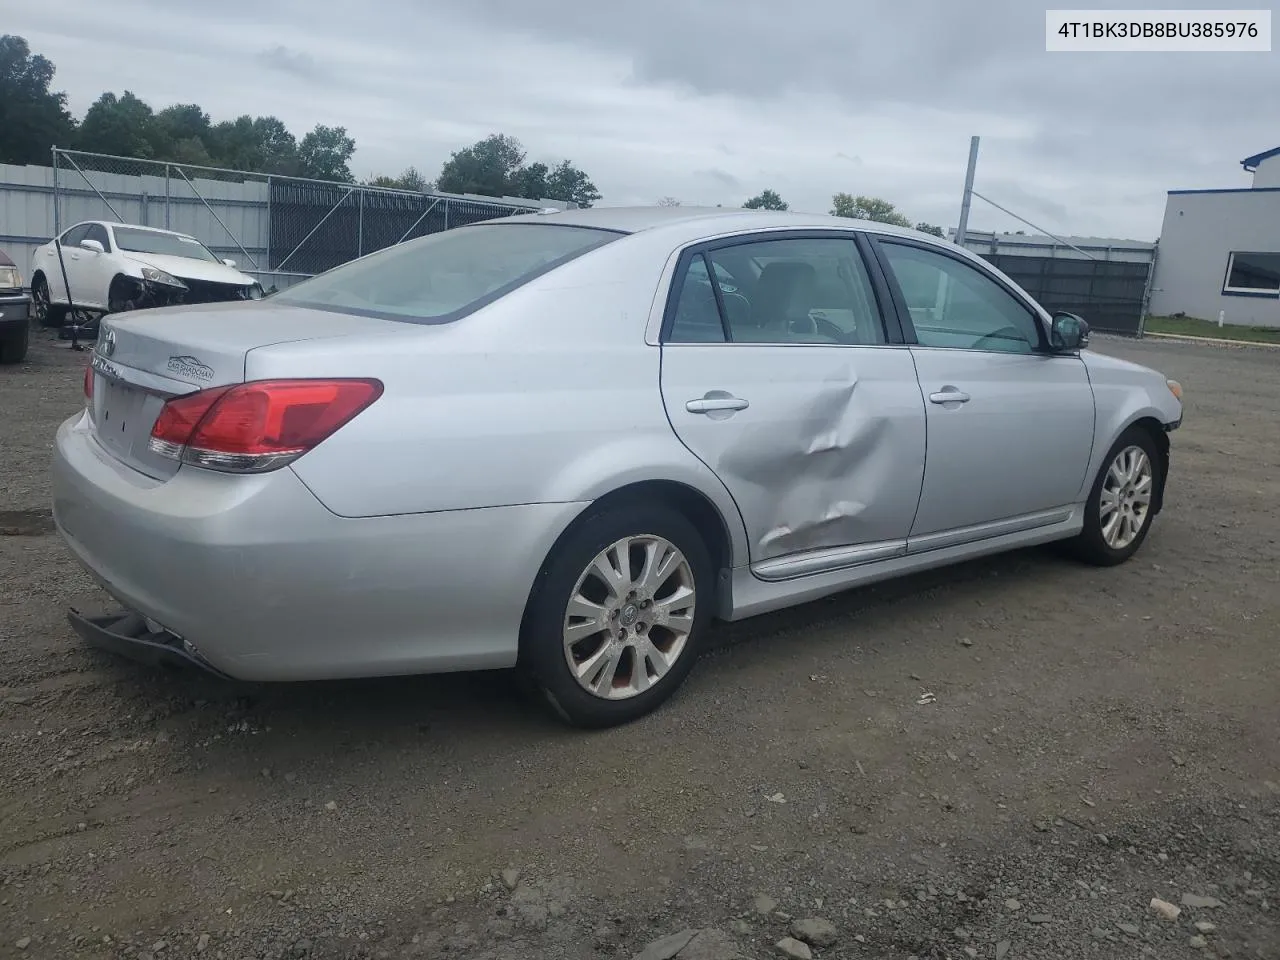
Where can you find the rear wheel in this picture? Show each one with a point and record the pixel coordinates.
(43, 310)
(1118, 514)
(616, 619)
(13, 345)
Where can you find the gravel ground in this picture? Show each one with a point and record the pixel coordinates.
(1098, 739)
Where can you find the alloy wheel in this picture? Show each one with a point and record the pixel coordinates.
(1125, 499)
(40, 303)
(629, 617)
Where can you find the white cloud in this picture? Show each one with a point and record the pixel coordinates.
(807, 98)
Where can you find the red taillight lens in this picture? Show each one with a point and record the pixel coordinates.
(254, 427)
(88, 383)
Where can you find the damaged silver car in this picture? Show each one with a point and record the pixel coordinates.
(567, 442)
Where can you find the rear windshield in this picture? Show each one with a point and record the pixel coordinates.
(446, 275)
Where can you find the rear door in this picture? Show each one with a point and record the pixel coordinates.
(779, 373)
(1010, 425)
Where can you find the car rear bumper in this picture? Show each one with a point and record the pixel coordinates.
(15, 312)
(255, 579)
(129, 635)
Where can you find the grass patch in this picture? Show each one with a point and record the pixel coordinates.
(1194, 327)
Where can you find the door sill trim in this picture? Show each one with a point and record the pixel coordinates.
(826, 560)
(985, 531)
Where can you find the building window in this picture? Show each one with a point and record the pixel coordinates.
(1253, 275)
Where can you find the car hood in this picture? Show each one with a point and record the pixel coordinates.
(184, 268)
(1115, 368)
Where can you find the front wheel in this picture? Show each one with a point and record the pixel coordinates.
(616, 619)
(43, 310)
(1118, 514)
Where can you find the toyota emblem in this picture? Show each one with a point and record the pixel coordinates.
(109, 343)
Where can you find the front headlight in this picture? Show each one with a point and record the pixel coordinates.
(1175, 388)
(152, 275)
(10, 278)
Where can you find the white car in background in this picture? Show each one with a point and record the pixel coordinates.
(115, 267)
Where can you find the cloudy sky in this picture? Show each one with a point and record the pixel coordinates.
(708, 101)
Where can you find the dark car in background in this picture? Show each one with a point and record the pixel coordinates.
(15, 311)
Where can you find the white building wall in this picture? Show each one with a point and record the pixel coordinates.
(1201, 228)
(1267, 173)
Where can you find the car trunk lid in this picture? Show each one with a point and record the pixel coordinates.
(142, 359)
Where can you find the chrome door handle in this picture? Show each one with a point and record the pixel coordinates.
(948, 396)
(712, 404)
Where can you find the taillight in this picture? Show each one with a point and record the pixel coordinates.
(259, 426)
(88, 384)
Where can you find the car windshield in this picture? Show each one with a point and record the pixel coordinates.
(162, 244)
(443, 276)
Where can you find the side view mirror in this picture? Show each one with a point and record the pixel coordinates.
(1068, 332)
(93, 245)
(229, 263)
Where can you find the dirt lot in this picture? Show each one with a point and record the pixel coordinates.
(1099, 738)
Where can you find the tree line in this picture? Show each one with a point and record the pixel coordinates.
(34, 118)
(846, 205)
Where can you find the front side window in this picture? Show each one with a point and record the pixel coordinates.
(74, 236)
(98, 232)
(954, 304)
(132, 240)
(1257, 274)
(800, 290)
(444, 275)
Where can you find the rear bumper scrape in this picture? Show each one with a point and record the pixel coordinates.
(128, 635)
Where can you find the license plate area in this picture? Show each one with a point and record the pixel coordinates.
(119, 415)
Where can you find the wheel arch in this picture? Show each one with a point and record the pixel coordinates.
(1152, 426)
(691, 503)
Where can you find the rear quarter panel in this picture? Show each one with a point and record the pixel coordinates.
(550, 395)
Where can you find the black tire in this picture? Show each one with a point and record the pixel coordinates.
(50, 314)
(542, 646)
(13, 346)
(1090, 545)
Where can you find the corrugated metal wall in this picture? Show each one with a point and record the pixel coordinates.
(27, 209)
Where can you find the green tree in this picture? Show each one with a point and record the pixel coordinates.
(32, 119)
(930, 228)
(489, 167)
(122, 126)
(766, 200)
(256, 144)
(495, 167)
(867, 208)
(409, 179)
(324, 153)
(567, 182)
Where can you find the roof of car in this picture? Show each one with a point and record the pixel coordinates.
(5, 261)
(711, 220)
(133, 226)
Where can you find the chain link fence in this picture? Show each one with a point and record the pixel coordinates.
(278, 229)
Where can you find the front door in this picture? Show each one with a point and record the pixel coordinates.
(1009, 425)
(95, 271)
(776, 373)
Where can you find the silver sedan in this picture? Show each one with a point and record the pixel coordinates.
(567, 442)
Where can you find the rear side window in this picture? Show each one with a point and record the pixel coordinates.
(444, 276)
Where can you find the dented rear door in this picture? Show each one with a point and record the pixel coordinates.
(820, 440)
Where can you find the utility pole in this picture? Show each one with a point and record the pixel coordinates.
(968, 191)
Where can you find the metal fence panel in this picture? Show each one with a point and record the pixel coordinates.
(277, 229)
(1108, 294)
